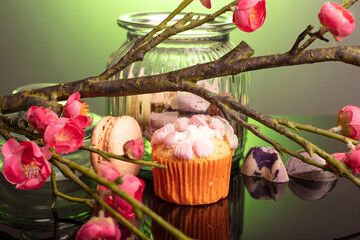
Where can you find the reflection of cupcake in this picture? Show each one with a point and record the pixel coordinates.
(197, 222)
(198, 153)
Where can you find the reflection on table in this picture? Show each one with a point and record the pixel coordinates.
(254, 209)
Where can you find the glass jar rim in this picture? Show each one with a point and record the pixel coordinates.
(142, 22)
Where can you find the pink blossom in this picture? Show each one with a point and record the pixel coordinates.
(134, 186)
(99, 228)
(77, 110)
(337, 20)
(64, 135)
(40, 117)
(349, 120)
(353, 160)
(206, 3)
(249, 15)
(134, 149)
(105, 194)
(340, 156)
(107, 171)
(26, 164)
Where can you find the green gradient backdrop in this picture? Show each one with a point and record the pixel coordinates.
(67, 40)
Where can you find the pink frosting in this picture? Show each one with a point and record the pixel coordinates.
(198, 120)
(183, 150)
(160, 135)
(171, 140)
(187, 136)
(216, 123)
(181, 124)
(203, 147)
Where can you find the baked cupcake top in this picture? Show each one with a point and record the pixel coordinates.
(199, 135)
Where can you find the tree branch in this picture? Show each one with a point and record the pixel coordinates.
(234, 62)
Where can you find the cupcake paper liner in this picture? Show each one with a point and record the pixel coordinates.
(192, 182)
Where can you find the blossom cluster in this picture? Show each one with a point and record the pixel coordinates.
(26, 164)
(105, 227)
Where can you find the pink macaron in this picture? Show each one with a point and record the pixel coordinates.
(110, 134)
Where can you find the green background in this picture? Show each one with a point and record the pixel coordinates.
(68, 40)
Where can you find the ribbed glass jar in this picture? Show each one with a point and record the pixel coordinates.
(200, 45)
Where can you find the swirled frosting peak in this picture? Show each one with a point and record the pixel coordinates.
(189, 136)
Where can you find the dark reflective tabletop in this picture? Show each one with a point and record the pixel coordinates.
(254, 209)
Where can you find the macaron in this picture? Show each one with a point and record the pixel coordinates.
(264, 162)
(110, 134)
(298, 169)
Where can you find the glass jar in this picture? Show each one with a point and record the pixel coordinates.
(200, 45)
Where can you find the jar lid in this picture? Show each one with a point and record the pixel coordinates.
(142, 23)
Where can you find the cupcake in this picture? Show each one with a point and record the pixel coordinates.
(197, 152)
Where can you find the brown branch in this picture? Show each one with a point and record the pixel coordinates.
(230, 64)
(319, 34)
(18, 125)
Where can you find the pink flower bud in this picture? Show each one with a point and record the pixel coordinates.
(349, 121)
(26, 164)
(64, 135)
(40, 117)
(99, 228)
(353, 160)
(249, 15)
(134, 149)
(134, 186)
(337, 20)
(77, 111)
(206, 3)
